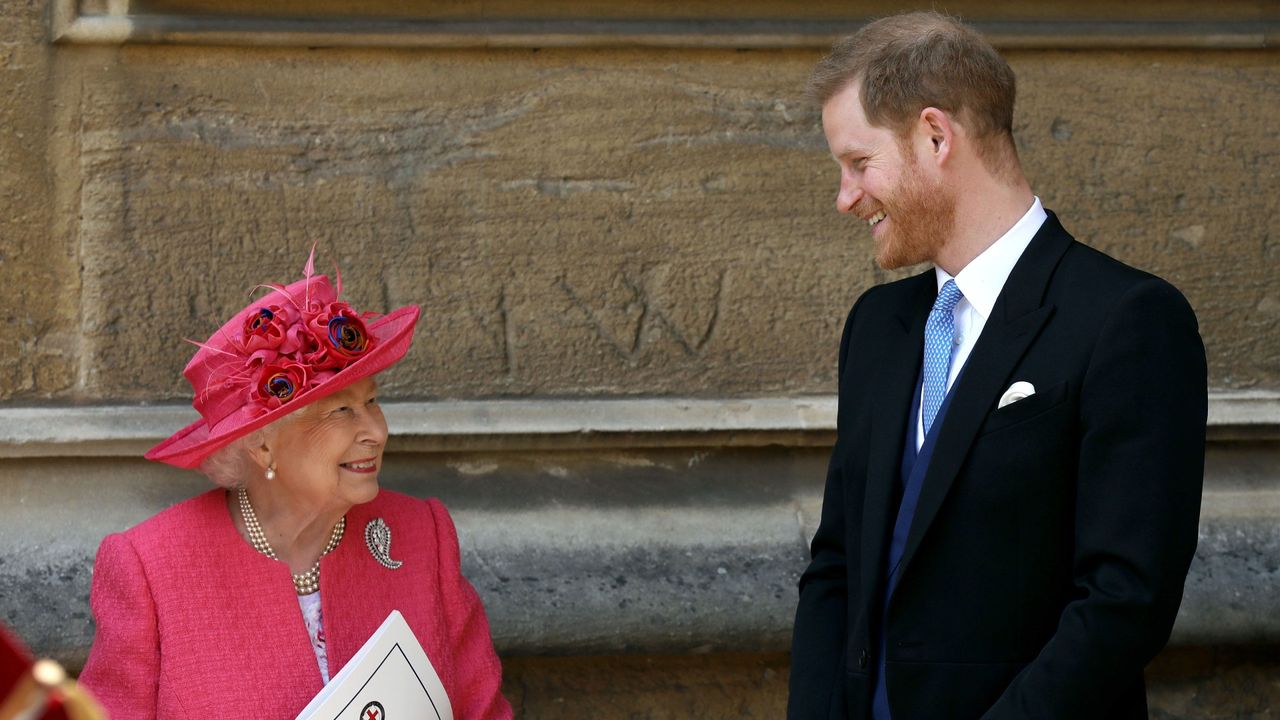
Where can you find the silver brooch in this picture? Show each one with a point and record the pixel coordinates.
(378, 537)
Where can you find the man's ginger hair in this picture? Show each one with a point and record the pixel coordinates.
(906, 63)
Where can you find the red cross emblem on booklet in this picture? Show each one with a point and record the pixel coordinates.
(373, 711)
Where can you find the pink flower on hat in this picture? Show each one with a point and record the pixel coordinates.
(339, 334)
(278, 383)
(268, 328)
(293, 348)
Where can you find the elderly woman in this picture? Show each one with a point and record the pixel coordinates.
(244, 601)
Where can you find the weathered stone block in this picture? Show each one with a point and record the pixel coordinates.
(1192, 683)
(660, 687)
(554, 253)
(609, 222)
(39, 281)
(1156, 158)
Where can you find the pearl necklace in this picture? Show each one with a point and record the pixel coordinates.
(304, 583)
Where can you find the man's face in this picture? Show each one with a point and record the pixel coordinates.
(909, 212)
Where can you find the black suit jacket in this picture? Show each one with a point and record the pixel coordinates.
(1046, 559)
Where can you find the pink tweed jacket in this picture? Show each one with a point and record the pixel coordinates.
(192, 622)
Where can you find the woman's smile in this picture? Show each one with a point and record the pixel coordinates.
(368, 465)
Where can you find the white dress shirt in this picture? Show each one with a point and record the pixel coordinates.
(981, 282)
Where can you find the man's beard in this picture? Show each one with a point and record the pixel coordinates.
(922, 216)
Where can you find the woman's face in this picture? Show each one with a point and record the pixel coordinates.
(330, 454)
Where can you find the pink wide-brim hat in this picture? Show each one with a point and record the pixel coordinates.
(242, 382)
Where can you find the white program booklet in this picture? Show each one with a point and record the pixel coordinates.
(390, 678)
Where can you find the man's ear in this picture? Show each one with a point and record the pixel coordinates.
(935, 126)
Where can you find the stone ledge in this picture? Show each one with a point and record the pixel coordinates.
(673, 550)
(570, 582)
(1067, 31)
(673, 591)
(466, 425)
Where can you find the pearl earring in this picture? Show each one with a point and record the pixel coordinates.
(271, 472)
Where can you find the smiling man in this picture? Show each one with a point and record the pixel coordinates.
(1013, 498)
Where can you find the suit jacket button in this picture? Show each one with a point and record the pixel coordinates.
(863, 659)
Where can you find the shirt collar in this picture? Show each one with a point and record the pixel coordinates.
(983, 278)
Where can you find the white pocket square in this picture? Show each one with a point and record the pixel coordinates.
(1020, 390)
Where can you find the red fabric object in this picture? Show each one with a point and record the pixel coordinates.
(192, 622)
(15, 661)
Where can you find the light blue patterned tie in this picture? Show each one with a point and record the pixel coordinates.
(939, 344)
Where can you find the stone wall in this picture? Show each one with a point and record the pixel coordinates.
(603, 221)
(574, 222)
(1184, 684)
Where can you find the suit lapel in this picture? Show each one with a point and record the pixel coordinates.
(890, 403)
(1016, 320)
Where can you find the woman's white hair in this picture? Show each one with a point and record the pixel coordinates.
(233, 465)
